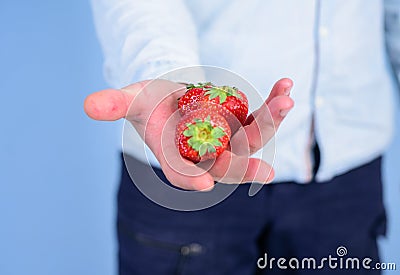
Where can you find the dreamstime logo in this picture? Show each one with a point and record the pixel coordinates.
(341, 251)
(330, 262)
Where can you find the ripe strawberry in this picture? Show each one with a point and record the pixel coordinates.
(201, 135)
(194, 94)
(230, 98)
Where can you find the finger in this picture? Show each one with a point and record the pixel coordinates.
(263, 126)
(259, 171)
(281, 87)
(182, 177)
(230, 168)
(111, 104)
(278, 108)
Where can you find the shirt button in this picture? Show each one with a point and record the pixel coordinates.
(319, 102)
(323, 31)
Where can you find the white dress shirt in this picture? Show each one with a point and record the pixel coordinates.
(333, 50)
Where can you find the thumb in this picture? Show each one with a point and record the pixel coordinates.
(111, 104)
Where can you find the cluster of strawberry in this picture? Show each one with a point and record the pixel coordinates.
(210, 114)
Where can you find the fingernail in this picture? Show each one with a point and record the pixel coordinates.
(207, 189)
(284, 112)
(287, 91)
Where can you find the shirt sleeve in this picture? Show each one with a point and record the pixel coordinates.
(144, 39)
(392, 32)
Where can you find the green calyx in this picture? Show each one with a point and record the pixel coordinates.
(203, 136)
(216, 91)
(199, 85)
(223, 92)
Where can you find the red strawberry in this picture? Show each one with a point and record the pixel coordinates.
(201, 135)
(231, 98)
(194, 94)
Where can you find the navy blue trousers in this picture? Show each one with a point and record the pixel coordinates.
(282, 220)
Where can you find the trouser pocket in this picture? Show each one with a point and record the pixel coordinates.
(144, 253)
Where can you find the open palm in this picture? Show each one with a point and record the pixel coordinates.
(151, 107)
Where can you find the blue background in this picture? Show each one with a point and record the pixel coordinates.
(59, 169)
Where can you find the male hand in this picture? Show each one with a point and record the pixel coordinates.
(150, 106)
